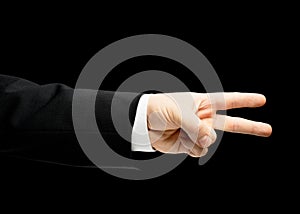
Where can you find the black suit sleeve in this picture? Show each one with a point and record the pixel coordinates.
(36, 120)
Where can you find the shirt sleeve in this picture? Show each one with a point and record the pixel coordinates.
(140, 140)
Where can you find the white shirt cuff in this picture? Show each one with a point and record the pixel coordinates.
(140, 140)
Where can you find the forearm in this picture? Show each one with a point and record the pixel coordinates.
(32, 114)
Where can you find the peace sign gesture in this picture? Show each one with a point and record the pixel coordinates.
(185, 122)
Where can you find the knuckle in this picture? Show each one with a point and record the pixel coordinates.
(235, 126)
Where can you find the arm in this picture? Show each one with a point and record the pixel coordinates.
(37, 119)
(175, 122)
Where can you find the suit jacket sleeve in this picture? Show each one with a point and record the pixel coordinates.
(36, 121)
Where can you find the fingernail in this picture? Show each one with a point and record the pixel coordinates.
(204, 152)
(205, 141)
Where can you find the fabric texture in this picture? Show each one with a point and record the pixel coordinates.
(36, 120)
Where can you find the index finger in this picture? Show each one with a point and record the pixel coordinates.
(231, 100)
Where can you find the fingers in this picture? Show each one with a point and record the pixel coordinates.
(224, 101)
(241, 125)
(208, 138)
(198, 131)
(188, 147)
(192, 148)
(198, 152)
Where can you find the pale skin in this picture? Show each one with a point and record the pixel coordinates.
(185, 122)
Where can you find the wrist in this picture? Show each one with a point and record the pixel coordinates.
(153, 106)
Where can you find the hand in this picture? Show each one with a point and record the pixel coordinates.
(185, 122)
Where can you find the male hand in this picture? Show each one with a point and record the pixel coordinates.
(185, 122)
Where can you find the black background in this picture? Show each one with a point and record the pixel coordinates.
(52, 47)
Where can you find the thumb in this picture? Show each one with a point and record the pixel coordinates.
(197, 130)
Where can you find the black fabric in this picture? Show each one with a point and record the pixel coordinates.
(133, 108)
(134, 104)
(36, 121)
(107, 127)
